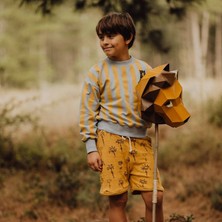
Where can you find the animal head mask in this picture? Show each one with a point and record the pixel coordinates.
(160, 95)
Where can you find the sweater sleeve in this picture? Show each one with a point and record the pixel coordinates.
(89, 109)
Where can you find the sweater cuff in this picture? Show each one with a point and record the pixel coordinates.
(91, 145)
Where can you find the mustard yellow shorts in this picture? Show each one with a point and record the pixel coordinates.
(127, 163)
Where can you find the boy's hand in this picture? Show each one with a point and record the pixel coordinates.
(94, 161)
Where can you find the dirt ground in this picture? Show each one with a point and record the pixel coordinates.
(18, 206)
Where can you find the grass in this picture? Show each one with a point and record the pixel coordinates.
(215, 111)
(180, 218)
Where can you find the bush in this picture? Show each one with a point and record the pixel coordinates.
(10, 123)
(215, 113)
(65, 189)
(216, 198)
(28, 156)
(190, 149)
(62, 158)
(180, 218)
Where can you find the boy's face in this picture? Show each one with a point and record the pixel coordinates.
(114, 46)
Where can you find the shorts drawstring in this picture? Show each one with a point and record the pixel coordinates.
(130, 142)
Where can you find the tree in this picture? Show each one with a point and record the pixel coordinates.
(206, 29)
(43, 49)
(200, 39)
(138, 9)
(142, 12)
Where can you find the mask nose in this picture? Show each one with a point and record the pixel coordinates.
(176, 116)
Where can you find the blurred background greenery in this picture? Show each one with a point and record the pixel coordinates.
(46, 48)
(49, 41)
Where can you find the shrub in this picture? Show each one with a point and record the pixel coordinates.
(180, 218)
(190, 149)
(216, 198)
(10, 123)
(76, 188)
(65, 189)
(28, 156)
(215, 113)
(69, 182)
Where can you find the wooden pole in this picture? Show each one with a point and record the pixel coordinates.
(154, 200)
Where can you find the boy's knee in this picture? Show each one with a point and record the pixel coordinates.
(159, 199)
(118, 200)
(148, 198)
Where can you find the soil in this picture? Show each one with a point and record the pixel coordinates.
(18, 205)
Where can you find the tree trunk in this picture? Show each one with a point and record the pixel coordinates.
(2, 51)
(218, 47)
(197, 52)
(204, 40)
(200, 36)
(42, 61)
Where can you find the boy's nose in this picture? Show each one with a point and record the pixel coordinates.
(105, 40)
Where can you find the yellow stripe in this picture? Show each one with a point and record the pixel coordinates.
(93, 77)
(138, 64)
(108, 94)
(82, 113)
(135, 98)
(118, 94)
(126, 93)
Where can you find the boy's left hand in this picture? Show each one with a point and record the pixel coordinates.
(94, 161)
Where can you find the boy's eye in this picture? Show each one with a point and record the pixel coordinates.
(111, 36)
(101, 37)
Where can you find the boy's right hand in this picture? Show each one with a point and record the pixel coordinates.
(94, 161)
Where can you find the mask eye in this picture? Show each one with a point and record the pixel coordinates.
(168, 104)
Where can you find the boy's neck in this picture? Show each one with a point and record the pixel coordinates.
(121, 58)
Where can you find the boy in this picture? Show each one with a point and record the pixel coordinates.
(110, 122)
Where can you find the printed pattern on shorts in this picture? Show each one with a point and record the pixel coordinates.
(127, 163)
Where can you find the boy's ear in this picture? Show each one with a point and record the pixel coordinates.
(129, 40)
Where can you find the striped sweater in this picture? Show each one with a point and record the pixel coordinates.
(109, 101)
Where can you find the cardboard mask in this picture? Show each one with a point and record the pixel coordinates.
(160, 97)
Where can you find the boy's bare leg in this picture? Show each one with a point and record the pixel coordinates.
(117, 206)
(147, 197)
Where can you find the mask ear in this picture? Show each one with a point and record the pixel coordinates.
(167, 67)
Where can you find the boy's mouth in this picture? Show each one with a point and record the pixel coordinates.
(107, 48)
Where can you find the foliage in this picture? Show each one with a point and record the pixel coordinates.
(184, 148)
(43, 49)
(73, 185)
(30, 214)
(10, 123)
(180, 218)
(74, 189)
(216, 197)
(66, 188)
(175, 218)
(70, 183)
(215, 113)
(58, 48)
(140, 10)
(143, 12)
(196, 149)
